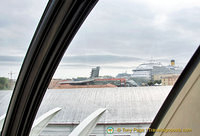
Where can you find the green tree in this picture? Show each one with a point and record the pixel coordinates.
(157, 81)
(4, 83)
(150, 83)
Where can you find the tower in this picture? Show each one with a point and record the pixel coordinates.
(95, 72)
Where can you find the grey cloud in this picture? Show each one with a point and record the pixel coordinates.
(82, 60)
(81, 65)
(115, 31)
(11, 58)
(131, 32)
(98, 59)
(18, 22)
(187, 19)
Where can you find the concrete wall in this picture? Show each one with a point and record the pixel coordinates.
(100, 130)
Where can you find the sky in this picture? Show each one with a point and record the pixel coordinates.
(118, 35)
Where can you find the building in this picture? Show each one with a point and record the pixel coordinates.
(54, 83)
(161, 76)
(95, 72)
(126, 109)
(123, 75)
(169, 80)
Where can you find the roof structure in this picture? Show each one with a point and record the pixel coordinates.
(77, 82)
(124, 105)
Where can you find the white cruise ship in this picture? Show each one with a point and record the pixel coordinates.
(145, 70)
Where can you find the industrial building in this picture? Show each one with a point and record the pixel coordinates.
(127, 109)
(95, 72)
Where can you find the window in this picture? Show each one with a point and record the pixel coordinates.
(18, 22)
(124, 55)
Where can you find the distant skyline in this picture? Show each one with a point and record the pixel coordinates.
(117, 35)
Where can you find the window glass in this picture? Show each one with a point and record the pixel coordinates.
(18, 21)
(126, 57)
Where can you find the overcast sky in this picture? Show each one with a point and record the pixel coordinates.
(118, 35)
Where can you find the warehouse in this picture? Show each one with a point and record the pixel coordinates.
(129, 111)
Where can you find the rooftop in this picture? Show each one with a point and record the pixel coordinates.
(124, 105)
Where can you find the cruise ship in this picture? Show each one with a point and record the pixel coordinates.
(147, 70)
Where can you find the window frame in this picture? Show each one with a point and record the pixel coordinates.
(57, 27)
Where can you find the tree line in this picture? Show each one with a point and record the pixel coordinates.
(6, 84)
